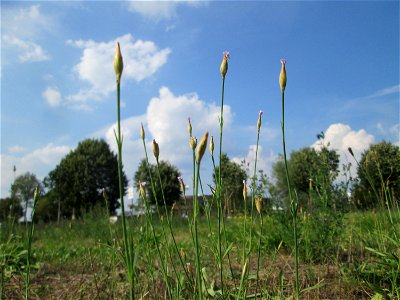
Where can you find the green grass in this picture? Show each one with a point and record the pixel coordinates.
(85, 253)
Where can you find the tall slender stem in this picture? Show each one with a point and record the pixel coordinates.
(30, 237)
(128, 254)
(259, 252)
(293, 204)
(170, 228)
(219, 186)
(196, 239)
(164, 235)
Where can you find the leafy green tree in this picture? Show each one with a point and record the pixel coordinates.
(169, 178)
(47, 208)
(10, 208)
(379, 176)
(23, 189)
(309, 170)
(232, 175)
(82, 175)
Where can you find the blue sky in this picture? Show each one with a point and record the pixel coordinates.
(57, 79)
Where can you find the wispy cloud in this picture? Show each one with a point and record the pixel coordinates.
(22, 27)
(142, 59)
(380, 103)
(384, 92)
(16, 149)
(158, 10)
(28, 51)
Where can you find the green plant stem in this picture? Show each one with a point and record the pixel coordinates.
(293, 204)
(128, 254)
(254, 184)
(170, 228)
(163, 263)
(30, 237)
(196, 239)
(252, 208)
(244, 233)
(259, 253)
(158, 211)
(219, 185)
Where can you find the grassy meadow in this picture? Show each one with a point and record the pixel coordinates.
(79, 259)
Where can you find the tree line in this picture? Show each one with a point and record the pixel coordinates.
(88, 177)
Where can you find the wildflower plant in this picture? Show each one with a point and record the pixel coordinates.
(292, 198)
(128, 255)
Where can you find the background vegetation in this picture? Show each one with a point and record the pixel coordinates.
(345, 252)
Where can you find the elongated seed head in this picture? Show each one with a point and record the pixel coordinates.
(351, 151)
(259, 120)
(142, 134)
(212, 146)
(244, 270)
(141, 189)
(118, 63)
(189, 128)
(182, 184)
(36, 194)
(202, 147)
(259, 204)
(193, 142)
(282, 76)
(244, 190)
(183, 254)
(156, 149)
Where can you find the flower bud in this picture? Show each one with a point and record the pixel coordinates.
(244, 270)
(142, 134)
(244, 190)
(183, 254)
(141, 189)
(282, 76)
(351, 151)
(193, 142)
(202, 147)
(118, 63)
(224, 64)
(188, 267)
(374, 155)
(156, 149)
(36, 194)
(259, 204)
(189, 127)
(182, 184)
(212, 146)
(259, 120)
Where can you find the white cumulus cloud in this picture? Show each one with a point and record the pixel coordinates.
(52, 96)
(265, 161)
(340, 137)
(141, 60)
(167, 117)
(39, 162)
(166, 121)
